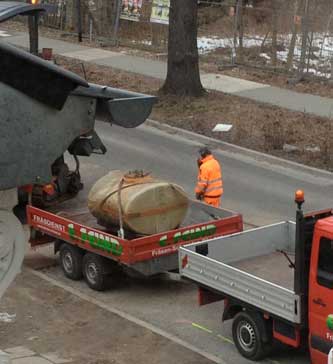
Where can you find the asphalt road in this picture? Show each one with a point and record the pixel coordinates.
(261, 188)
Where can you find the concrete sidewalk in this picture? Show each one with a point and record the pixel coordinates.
(53, 323)
(320, 106)
(23, 355)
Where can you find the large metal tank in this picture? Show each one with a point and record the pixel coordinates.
(138, 202)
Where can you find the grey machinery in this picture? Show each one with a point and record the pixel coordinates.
(44, 111)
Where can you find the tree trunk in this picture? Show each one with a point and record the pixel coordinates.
(183, 76)
(240, 26)
(305, 33)
(274, 31)
(291, 52)
(71, 15)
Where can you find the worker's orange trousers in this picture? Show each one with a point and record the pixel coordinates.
(214, 201)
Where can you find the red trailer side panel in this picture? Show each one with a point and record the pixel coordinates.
(123, 250)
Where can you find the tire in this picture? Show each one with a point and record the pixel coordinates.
(247, 335)
(71, 261)
(94, 271)
(20, 211)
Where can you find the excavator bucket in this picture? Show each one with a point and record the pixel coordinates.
(121, 107)
(11, 9)
(46, 110)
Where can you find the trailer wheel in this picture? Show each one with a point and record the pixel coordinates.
(71, 261)
(247, 336)
(94, 271)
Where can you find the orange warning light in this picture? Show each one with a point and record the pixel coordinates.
(299, 196)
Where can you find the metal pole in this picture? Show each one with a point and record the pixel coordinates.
(90, 29)
(79, 20)
(33, 33)
(116, 22)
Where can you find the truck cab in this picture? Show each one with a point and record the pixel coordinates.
(320, 299)
(276, 282)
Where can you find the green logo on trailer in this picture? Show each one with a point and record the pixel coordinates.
(191, 234)
(96, 240)
(329, 322)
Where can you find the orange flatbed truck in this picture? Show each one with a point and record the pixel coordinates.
(276, 282)
(91, 251)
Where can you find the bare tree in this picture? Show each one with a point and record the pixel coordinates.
(275, 15)
(183, 76)
(291, 52)
(305, 34)
(239, 30)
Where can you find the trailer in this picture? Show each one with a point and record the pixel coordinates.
(276, 282)
(91, 251)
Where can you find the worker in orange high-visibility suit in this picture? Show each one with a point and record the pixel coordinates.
(210, 185)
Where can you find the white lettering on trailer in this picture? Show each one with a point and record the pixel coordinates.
(169, 250)
(48, 223)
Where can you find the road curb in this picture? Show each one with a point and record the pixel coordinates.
(233, 148)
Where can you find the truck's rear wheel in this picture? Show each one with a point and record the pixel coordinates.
(94, 271)
(248, 337)
(71, 261)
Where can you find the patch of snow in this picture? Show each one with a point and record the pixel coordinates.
(321, 51)
(265, 55)
(290, 148)
(315, 149)
(6, 317)
(209, 44)
(3, 33)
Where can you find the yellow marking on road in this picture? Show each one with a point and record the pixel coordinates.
(203, 328)
(226, 339)
(274, 361)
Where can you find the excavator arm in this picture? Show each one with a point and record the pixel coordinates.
(45, 111)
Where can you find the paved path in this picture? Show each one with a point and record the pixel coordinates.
(291, 100)
(24, 355)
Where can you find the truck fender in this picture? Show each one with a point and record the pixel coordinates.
(232, 308)
(266, 326)
(57, 245)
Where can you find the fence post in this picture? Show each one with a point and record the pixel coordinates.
(305, 32)
(239, 30)
(33, 33)
(116, 22)
(79, 20)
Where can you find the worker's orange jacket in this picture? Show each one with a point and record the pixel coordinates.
(210, 178)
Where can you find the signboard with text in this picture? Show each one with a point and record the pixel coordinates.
(131, 10)
(160, 11)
